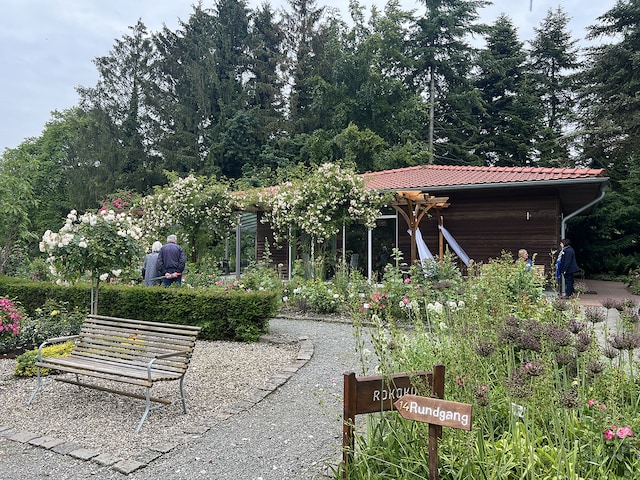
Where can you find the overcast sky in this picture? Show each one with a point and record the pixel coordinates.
(47, 46)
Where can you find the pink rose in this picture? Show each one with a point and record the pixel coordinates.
(623, 432)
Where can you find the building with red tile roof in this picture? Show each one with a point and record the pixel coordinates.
(488, 210)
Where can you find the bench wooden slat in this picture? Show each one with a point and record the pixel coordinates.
(101, 369)
(104, 365)
(177, 367)
(126, 351)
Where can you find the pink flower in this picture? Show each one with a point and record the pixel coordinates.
(608, 434)
(623, 432)
(591, 402)
(407, 280)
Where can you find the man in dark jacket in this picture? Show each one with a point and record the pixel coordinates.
(568, 265)
(171, 262)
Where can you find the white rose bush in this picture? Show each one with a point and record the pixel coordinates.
(98, 246)
(321, 203)
(188, 207)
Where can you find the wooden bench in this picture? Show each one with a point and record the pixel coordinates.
(125, 351)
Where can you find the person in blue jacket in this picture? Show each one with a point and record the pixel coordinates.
(171, 262)
(567, 266)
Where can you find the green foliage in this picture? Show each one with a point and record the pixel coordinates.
(53, 319)
(222, 314)
(34, 294)
(321, 297)
(25, 363)
(16, 199)
(258, 276)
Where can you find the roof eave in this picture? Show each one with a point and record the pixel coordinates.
(530, 183)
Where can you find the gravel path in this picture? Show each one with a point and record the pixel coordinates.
(293, 433)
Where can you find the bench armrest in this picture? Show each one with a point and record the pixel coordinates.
(183, 351)
(172, 354)
(51, 341)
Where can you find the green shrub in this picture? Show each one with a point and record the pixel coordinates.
(25, 363)
(53, 319)
(232, 314)
(314, 295)
(259, 276)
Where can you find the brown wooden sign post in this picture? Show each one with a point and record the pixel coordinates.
(377, 394)
(434, 412)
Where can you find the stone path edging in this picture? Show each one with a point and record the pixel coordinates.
(127, 466)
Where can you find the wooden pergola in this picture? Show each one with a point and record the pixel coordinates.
(413, 205)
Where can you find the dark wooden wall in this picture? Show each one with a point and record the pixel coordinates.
(279, 251)
(487, 222)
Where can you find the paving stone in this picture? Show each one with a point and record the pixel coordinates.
(66, 448)
(128, 466)
(106, 459)
(83, 453)
(196, 430)
(165, 447)
(257, 396)
(277, 381)
(147, 456)
(46, 442)
(222, 415)
(23, 436)
(232, 410)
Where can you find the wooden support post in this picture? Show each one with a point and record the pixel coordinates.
(435, 431)
(372, 394)
(440, 238)
(349, 420)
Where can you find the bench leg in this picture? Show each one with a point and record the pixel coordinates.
(146, 410)
(184, 402)
(148, 403)
(38, 385)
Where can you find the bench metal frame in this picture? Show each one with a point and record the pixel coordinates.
(126, 351)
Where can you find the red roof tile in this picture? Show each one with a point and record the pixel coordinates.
(449, 176)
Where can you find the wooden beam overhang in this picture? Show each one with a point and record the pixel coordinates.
(413, 205)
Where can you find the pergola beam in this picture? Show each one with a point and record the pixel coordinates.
(417, 205)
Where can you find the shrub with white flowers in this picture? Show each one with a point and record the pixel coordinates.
(188, 206)
(98, 245)
(321, 203)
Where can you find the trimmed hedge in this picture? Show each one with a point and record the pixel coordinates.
(231, 315)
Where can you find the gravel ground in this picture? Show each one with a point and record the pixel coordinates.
(293, 433)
